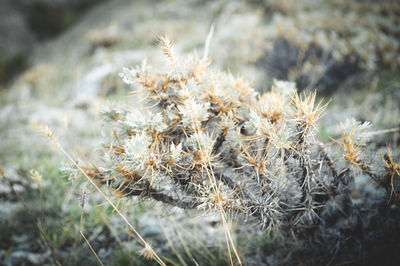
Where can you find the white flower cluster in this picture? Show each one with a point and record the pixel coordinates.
(193, 113)
(258, 124)
(139, 121)
(176, 151)
(128, 75)
(359, 132)
(136, 149)
(202, 141)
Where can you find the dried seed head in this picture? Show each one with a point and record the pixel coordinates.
(147, 252)
(167, 48)
(46, 131)
(84, 197)
(35, 176)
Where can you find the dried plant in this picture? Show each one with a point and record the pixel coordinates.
(203, 139)
(393, 169)
(362, 31)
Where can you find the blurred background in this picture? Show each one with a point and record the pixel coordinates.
(59, 64)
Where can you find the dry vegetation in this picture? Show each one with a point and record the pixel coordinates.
(201, 166)
(203, 139)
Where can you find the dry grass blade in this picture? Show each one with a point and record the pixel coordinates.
(87, 241)
(208, 42)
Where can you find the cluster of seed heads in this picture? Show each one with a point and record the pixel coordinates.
(204, 139)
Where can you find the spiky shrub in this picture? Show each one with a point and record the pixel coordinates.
(203, 139)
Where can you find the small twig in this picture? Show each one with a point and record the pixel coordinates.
(219, 141)
(341, 174)
(87, 241)
(208, 42)
(384, 131)
(158, 196)
(328, 159)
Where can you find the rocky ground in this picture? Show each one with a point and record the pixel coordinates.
(75, 73)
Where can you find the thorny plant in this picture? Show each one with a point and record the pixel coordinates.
(203, 139)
